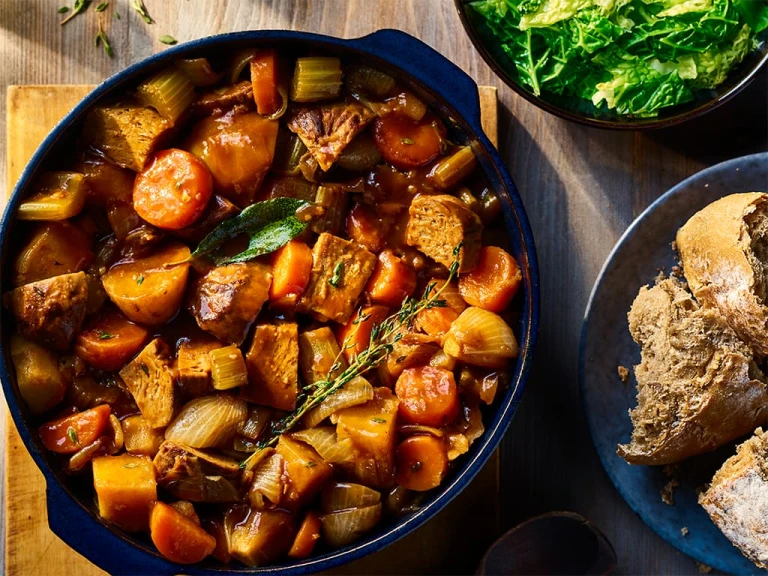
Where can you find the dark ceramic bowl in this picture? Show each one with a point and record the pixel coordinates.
(72, 514)
(492, 53)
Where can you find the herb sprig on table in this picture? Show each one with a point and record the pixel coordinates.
(381, 343)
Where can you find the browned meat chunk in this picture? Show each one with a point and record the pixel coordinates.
(194, 365)
(340, 271)
(326, 129)
(51, 311)
(128, 134)
(273, 365)
(218, 210)
(149, 379)
(438, 224)
(226, 301)
(196, 475)
(221, 100)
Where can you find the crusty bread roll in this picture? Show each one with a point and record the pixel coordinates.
(737, 498)
(698, 386)
(724, 250)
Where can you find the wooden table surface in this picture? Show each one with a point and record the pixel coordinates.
(582, 187)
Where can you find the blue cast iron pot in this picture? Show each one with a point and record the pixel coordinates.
(72, 514)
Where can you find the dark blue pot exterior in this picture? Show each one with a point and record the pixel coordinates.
(454, 96)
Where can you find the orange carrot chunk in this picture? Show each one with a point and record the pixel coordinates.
(405, 143)
(422, 462)
(177, 537)
(291, 268)
(173, 190)
(109, 341)
(69, 434)
(365, 227)
(264, 78)
(308, 535)
(427, 396)
(494, 282)
(392, 280)
(357, 334)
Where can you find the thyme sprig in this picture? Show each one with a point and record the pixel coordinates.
(381, 343)
(138, 5)
(79, 7)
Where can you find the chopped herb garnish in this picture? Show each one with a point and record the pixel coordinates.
(140, 279)
(400, 360)
(101, 7)
(39, 291)
(337, 273)
(105, 335)
(311, 464)
(167, 39)
(416, 466)
(138, 5)
(63, 9)
(144, 368)
(130, 465)
(116, 15)
(72, 435)
(378, 420)
(56, 263)
(408, 141)
(79, 7)
(101, 37)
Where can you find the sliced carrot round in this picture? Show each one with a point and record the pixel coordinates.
(109, 341)
(404, 143)
(177, 537)
(427, 396)
(392, 280)
(69, 434)
(494, 282)
(422, 462)
(173, 190)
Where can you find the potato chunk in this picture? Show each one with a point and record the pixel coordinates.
(149, 379)
(263, 538)
(55, 248)
(305, 469)
(372, 427)
(273, 366)
(145, 290)
(40, 383)
(51, 311)
(125, 487)
(140, 437)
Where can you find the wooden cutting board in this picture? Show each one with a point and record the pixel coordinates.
(453, 542)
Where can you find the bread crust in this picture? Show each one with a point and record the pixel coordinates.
(737, 499)
(698, 385)
(715, 249)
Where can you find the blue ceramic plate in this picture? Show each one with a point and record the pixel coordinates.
(606, 344)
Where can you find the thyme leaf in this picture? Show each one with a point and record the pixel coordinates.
(138, 5)
(78, 8)
(168, 39)
(101, 7)
(105, 335)
(338, 271)
(72, 435)
(101, 37)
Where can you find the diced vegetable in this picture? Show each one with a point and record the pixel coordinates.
(356, 391)
(441, 360)
(288, 152)
(344, 527)
(228, 368)
(109, 341)
(273, 366)
(140, 437)
(306, 537)
(338, 496)
(436, 322)
(453, 169)
(207, 422)
(334, 203)
(369, 81)
(323, 440)
(366, 228)
(404, 143)
(427, 396)
(264, 77)
(150, 380)
(69, 434)
(197, 475)
(55, 248)
(392, 280)
(355, 335)
(422, 462)
(316, 78)
(187, 509)
(172, 192)
(258, 419)
(106, 182)
(481, 338)
(360, 155)
(407, 104)
(177, 537)
(169, 92)
(268, 483)
(318, 353)
(126, 488)
(58, 196)
(480, 382)
(215, 527)
(372, 427)
(145, 290)
(494, 281)
(198, 71)
(305, 469)
(263, 537)
(291, 267)
(40, 383)
(490, 205)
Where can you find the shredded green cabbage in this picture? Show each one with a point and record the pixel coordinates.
(630, 57)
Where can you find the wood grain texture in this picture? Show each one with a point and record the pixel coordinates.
(582, 187)
(438, 547)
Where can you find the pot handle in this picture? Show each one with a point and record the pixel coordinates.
(429, 67)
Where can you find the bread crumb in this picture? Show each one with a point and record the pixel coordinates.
(703, 568)
(668, 492)
(623, 374)
(684, 530)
